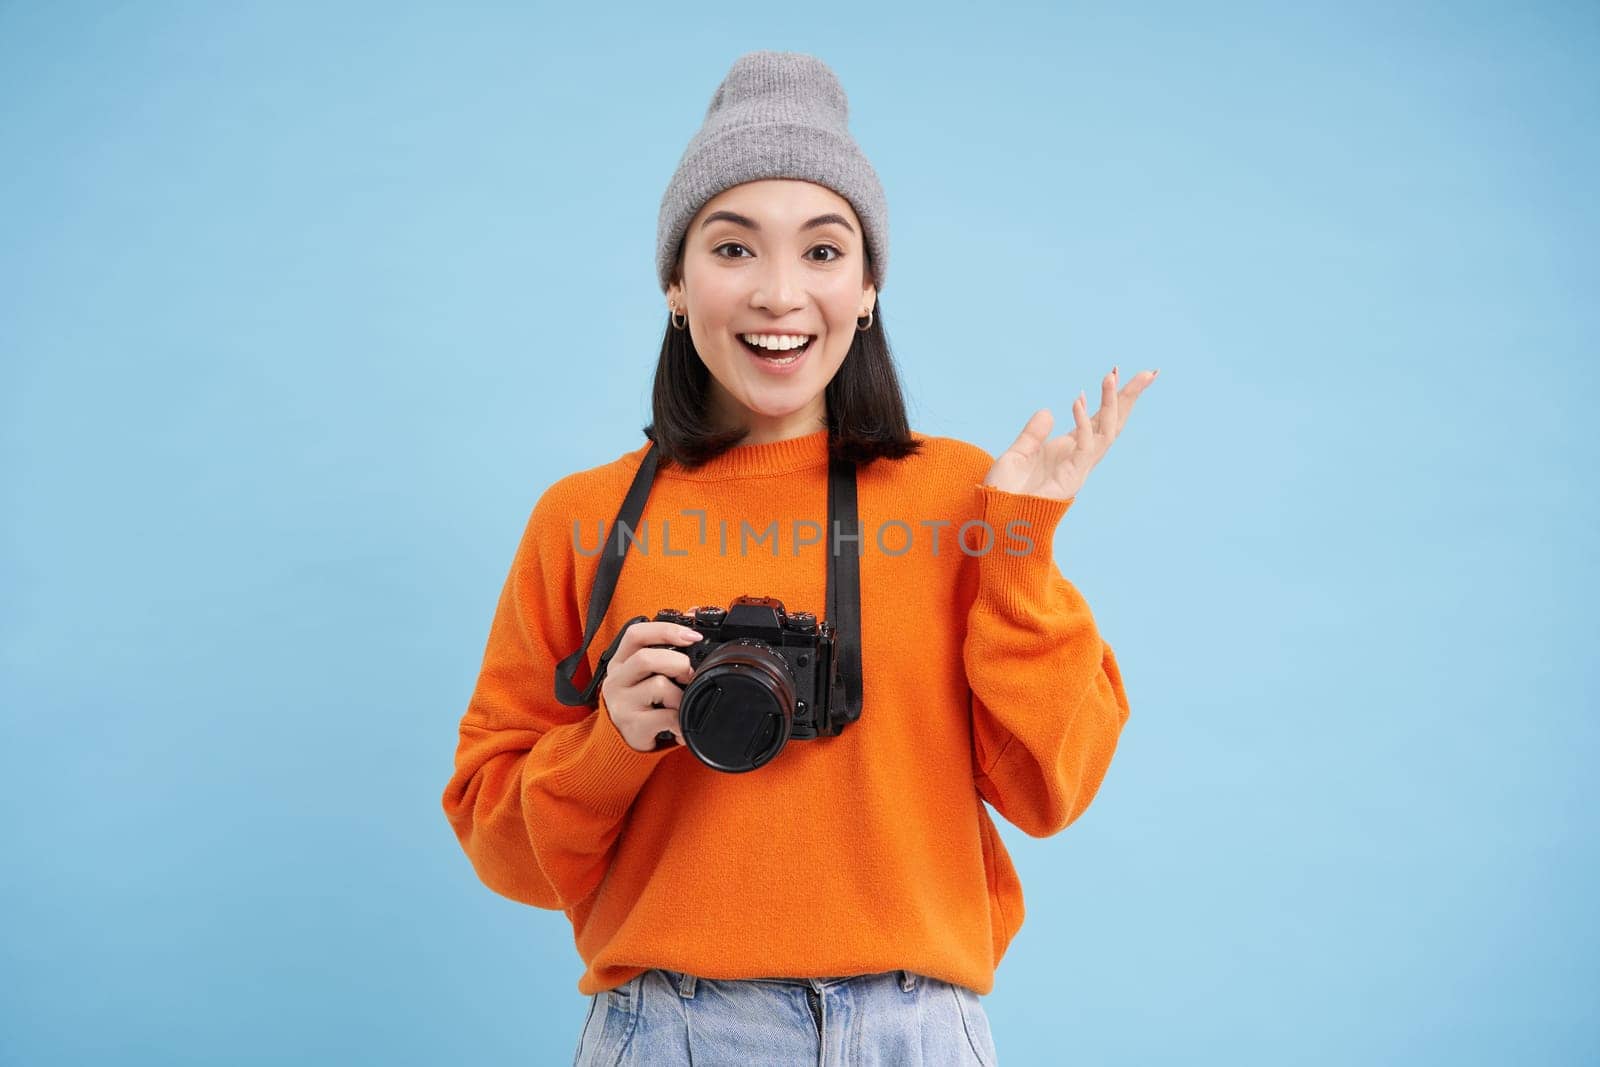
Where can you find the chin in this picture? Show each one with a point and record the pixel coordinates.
(777, 411)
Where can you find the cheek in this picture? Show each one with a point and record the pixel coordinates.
(842, 307)
(710, 330)
(843, 322)
(715, 296)
(838, 347)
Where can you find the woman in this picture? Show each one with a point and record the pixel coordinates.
(847, 895)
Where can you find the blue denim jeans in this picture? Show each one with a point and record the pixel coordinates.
(893, 1019)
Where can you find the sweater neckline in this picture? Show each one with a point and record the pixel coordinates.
(771, 457)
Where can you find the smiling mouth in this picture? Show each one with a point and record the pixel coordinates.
(787, 355)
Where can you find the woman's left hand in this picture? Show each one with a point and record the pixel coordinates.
(1057, 469)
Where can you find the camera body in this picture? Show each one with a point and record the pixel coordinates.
(763, 677)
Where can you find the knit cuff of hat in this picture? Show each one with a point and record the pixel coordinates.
(781, 149)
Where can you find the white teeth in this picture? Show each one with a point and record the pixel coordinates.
(777, 342)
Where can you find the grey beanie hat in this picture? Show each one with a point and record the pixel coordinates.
(776, 115)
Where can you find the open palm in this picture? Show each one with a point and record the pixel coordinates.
(1057, 468)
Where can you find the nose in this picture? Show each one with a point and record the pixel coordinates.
(778, 289)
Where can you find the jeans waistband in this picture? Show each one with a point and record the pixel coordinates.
(686, 982)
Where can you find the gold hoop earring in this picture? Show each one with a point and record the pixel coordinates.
(868, 326)
(676, 325)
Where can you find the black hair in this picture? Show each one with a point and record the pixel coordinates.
(866, 410)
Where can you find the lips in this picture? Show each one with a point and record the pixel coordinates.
(769, 353)
(778, 365)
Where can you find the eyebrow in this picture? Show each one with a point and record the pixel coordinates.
(749, 223)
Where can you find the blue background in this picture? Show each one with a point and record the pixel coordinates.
(302, 307)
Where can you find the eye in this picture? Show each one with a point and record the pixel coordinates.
(828, 248)
(729, 244)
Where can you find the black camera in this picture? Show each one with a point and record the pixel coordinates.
(762, 677)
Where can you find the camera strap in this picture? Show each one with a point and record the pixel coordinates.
(843, 604)
(843, 608)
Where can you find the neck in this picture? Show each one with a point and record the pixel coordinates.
(766, 429)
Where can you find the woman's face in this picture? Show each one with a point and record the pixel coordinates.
(770, 261)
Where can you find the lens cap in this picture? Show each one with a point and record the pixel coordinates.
(733, 721)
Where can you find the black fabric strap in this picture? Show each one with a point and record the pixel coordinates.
(605, 583)
(844, 585)
(843, 594)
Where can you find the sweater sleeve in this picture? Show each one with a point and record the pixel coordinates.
(1047, 699)
(540, 790)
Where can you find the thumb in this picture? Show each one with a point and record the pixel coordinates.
(1034, 433)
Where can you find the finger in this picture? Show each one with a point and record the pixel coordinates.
(670, 725)
(1136, 385)
(1107, 420)
(667, 662)
(643, 635)
(666, 718)
(663, 692)
(1083, 429)
(1130, 393)
(1034, 433)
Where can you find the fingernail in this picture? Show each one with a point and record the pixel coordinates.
(692, 635)
(1113, 370)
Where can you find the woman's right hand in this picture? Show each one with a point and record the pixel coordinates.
(639, 690)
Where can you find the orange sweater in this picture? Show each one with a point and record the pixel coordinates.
(984, 678)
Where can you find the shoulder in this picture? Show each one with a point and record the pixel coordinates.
(961, 462)
(940, 479)
(596, 490)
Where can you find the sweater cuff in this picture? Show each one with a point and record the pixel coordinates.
(598, 768)
(1013, 570)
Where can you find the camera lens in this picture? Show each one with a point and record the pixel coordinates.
(737, 711)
